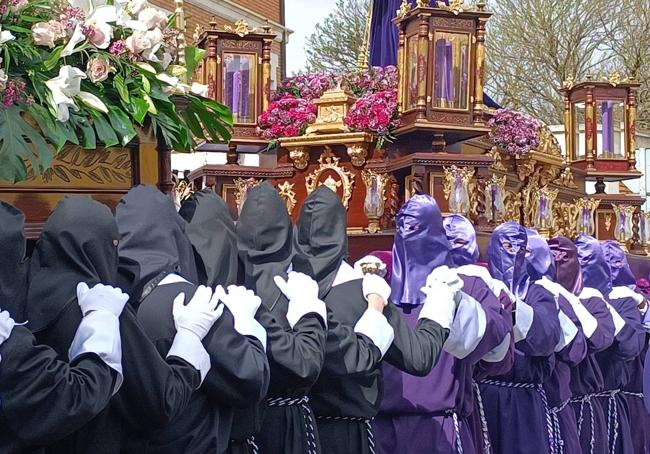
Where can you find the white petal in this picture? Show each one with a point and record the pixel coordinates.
(6, 35)
(77, 37)
(200, 89)
(173, 81)
(147, 67)
(92, 101)
(106, 13)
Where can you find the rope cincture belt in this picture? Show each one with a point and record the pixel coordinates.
(250, 441)
(612, 416)
(540, 390)
(582, 400)
(367, 422)
(487, 446)
(557, 433)
(303, 403)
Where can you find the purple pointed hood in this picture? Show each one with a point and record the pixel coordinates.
(462, 237)
(618, 266)
(539, 260)
(420, 246)
(594, 267)
(567, 266)
(507, 257)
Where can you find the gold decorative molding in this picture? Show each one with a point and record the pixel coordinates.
(242, 186)
(548, 144)
(422, 3)
(241, 28)
(455, 6)
(497, 164)
(374, 208)
(608, 221)
(300, 157)
(568, 83)
(333, 106)
(403, 10)
(287, 192)
(329, 162)
(358, 154)
(566, 179)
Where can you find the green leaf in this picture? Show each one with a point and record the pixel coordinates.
(33, 19)
(140, 108)
(120, 86)
(88, 133)
(17, 29)
(193, 56)
(53, 60)
(52, 129)
(146, 85)
(104, 130)
(19, 141)
(121, 125)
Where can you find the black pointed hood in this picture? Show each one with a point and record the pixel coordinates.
(152, 239)
(321, 240)
(264, 241)
(78, 244)
(211, 231)
(13, 263)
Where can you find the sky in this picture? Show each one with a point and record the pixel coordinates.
(301, 17)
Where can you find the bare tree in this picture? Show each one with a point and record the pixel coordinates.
(337, 41)
(627, 31)
(534, 45)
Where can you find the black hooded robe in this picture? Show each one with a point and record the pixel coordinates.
(43, 399)
(345, 403)
(295, 355)
(78, 244)
(154, 244)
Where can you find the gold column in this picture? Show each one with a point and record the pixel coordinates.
(266, 69)
(401, 66)
(211, 62)
(423, 57)
(479, 71)
(631, 128)
(180, 25)
(590, 130)
(568, 129)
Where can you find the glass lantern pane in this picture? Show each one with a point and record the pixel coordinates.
(579, 129)
(240, 86)
(411, 85)
(451, 72)
(611, 125)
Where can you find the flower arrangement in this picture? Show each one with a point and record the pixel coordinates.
(287, 116)
(86, 72)
(514, 132)
(292, 109)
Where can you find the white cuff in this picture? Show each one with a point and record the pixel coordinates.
(619, 323)
(99, 333)
(524, 315)
(620, 292)
(499, 352)
(248, 326)
(467, 328)
(187, 346)
(374, 325)
(440, 311)
(298, 309)
(569, 331)
(590, 292)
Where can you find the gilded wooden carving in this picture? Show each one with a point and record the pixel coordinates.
(329, 164)
(287, 192)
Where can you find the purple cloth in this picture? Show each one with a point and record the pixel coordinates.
(416, 413)
(567, 267)
(595, 271)
(237, 87)
(608, 127)
(634, 404)
(507, 257)
(539, 260)
(420, 246)
(462, 237)
(618, 266)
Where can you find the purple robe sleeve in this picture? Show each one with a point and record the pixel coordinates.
(646, 381)
(603, 336)
(630, 339)
(576, 350)
(544, 331)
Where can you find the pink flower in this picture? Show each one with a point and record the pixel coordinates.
(98, 69)
(47, 33)
(152, 18)
(117, 47)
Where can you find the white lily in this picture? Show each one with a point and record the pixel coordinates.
(199, 89)
(92, 101)
(63, 89)
(99, 18)
(5, 35)
(169, 80)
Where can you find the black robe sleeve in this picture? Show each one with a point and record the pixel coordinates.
(414, 351)
(45, 399)
(347, 352)
(296, 355)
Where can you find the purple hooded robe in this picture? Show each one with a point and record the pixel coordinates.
(430, 414)
(516, 405)
(586, 377)
(625, 356)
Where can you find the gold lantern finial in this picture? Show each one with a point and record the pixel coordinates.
(179, 12)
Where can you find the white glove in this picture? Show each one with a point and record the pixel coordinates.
(372, 283)
(375, 262)
(243, 304)
(448, 276)
(198, 316)
(302, 293)
(441, 302)
(6, 326)
(101, 298)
